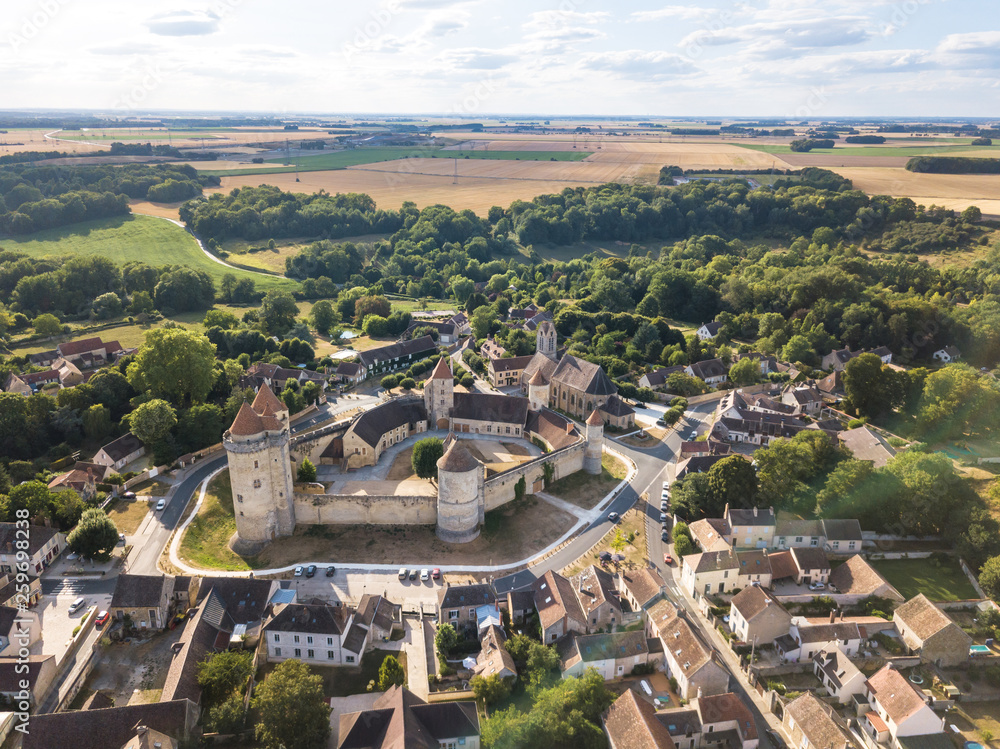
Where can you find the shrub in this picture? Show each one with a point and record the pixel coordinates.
(407, 383)
(389, 382)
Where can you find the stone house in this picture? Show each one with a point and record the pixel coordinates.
(401, 355)
(931, 633)
(897, 709)
(631, 723)
(120, 452)
(595, 590)
(382, 427)
(841, 678)
(804, 640)
(310, 633)
(349, 372)
(507, 371)
(641, 589)
(115, 727)
(18, 629)
(36, 676)
(399, 718)
(711, 371)
(493, 658)
(694, 665)
(857, 579)
(756, 615)
(44, 545)
(146, 599)
(611, 655)
(457, 604)
(812, 724)
(559, 609)
(751, 528)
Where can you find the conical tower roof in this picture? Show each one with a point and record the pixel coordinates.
(595, 419)
(247, 422)
(538, 378)
(442, 371)
(266, 401)
(457, 459)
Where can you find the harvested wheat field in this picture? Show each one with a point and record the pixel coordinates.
(957, 191)
(163, 210)
(390, 190)
(19, 141)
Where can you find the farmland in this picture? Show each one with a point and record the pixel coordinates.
(955, 191)
(145, 239)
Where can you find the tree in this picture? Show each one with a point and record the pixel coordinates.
(33, 496)
(870, 386)
(201, 425)
(489, 689)
(462, 288)
(407, 383)
(389, 381)
(223, 674)
(175, 364)
(375, 326)
(732, 481)
(324, 316)
(307, 471)
(989, 578)
(96, 422)
(445, 639)
(227, 717)
(425, 457)
(371, 305)
(683, 545)
(293, 710)
(483, 321)
(152, 421)
(619, 541)
(221, 318)
(95, 536)
(47, 324)
(107, 306)
(277, 312)
(390, 674)
(745, 372)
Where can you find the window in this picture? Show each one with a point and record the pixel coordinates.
(256, 483)
(277, 637)
(331, 655)
(554, 637)
(349, 659)
(453, 615)
(329, 641)
(850, 545)
(472, 613)
(813, 541)
(239, 497)
(798, 539)
(256, 464)
(310, 653)
(277, 652)
(296, 639)
(298, 653)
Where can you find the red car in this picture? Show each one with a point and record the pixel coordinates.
(436, 573)
(667, 559)
(102, 618)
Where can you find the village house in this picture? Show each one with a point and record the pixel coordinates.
(504, 372)
(457, 604)
(931, 633)
(398, 715)
(114, 727)
(711, 534)
(724, 571)
(84, 483)
(595, 589)
(447, 334)
(13, 594)
(44, 545)
(755, 615)
(768, 364)
(657, 379)
(708, 331)
(559, 609)
(695, 665)
(263, 374)
(856, 579)
(88, 353)
(491, 349)
(641, 588)
(310, 633)
(379, 615)
(830, 534)
(493, 658)
(611, 655)
(632, 723)
(349, 373)
(841, 678)
(751, 528)
(18, 629)
(711, 371)
(804, 639)
(32, 382)
(897, 709)
(812, 724)
(803, 399)
(120, 452)
(37, 674)
(386, 359)
(148, 600)
(947, 355)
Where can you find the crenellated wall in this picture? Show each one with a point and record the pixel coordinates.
(351, 509)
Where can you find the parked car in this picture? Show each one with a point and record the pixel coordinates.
(331, 571)
(775, 738)
(413, 574)
(613, 517)
(311, 570)
(161, 504)
(77, 605)
(436, 573)
(663, 517)
(665, 537)
(667, 559)
(425, 575)
(102, 618)
(664, 506)
(817, 586)
(129, 495)
(402, 573)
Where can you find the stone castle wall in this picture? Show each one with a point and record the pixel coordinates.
(356, 509)
(499, 489)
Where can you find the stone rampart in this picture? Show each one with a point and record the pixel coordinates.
(365, 509)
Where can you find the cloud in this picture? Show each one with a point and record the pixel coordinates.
(976, 42)
(681, 12)
(785, 38)
(183, 23)
(639, 64)
(477, 59)
(125, 48)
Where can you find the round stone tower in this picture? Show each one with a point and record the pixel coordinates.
(595, 444)
(260, 471)
(538, 391)
(545, 339)
(458, 495)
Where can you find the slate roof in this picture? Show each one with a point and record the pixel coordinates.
(507, 409)
(752, 600)
(348, 369)
(712, 561)
(842, 530)
(810, 559)
(354, 642)
(108, 728)
(539, 363)
(816, 721)
(828, 632)
(510, 364)
(837, 666)
(894, 692)
(708, 368)
(372, 424)
(378, 611)
(713, 328)
(243, 599)
(632, 723)
(461, 596)
(311, 619)
(401, 720)
(857, 577)
(789, 525)
(582, 375)
(554, 428)
(595, 587)
(615, 406)
(374, 356)
(866, 444)
(658, 377)
(140, 591)
(681, 722)
(607, 646)
(122, 447)
(720, 708)
(922, 617)
(39, 535)
(197, 641)
(757, 516)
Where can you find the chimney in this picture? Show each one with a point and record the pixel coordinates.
(141, 731)
(833, 616)
(841, 616)
(755, 512)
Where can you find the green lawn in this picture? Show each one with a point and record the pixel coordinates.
(341, 681)
(146, 239)
(586, 490)
(913, 576)
(916, 149)
(205, 542)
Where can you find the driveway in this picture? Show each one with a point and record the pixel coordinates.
(348, 587)
(57, 624)
(414, 644)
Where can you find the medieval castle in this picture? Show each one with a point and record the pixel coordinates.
(260, 449)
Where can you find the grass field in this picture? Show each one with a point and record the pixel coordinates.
(917, 149)
(146, 239)
(342, 681)
(913, 576)
(205, 542)
(128, 515)
(585, 490)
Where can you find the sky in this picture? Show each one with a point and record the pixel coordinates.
(467, 58)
